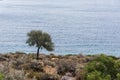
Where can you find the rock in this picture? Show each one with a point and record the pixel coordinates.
(50, 70)
(68, 76)
(3, 58)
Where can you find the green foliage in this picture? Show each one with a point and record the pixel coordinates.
(40, 40)
(94, 76)
(118, 76)
(97, 76)
(1, 76)
(117, 66)
(103, 68)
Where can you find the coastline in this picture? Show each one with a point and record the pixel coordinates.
(26, 66)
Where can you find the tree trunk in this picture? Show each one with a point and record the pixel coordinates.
(38, 53)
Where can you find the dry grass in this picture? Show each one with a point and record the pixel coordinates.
(21, 66)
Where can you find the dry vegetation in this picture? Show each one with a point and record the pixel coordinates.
(21, 66)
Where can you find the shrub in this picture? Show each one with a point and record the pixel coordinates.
(66, 66)
(18, 52)
(49, 63)
(103, 68)
(97, 76)
(118, 76)
(49, 77)
(15, 75)
(17, 64)
(33, 74)
(1, 76)
(36, 67)
(42, 76)
(117, 66)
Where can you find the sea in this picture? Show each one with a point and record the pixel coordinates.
(76, 26)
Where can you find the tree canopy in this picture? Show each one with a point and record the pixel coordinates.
(40, 40)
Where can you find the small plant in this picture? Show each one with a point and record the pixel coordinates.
(49, 63)
(48, 77)
(42, 76)
(65, 66)
(1, 76)
(33, 74)
(97, 76)
(17, 65)
(118, 76)
(37, 67)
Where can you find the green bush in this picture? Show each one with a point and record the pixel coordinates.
(1, 76)
(118, 76)
(97, 76)
(103, 68)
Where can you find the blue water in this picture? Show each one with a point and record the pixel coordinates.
(76, 26)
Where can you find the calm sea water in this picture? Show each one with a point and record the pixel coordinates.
(76, 26)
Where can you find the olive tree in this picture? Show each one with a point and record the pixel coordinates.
(40, 40)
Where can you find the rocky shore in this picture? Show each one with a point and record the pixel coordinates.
(22, 66)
